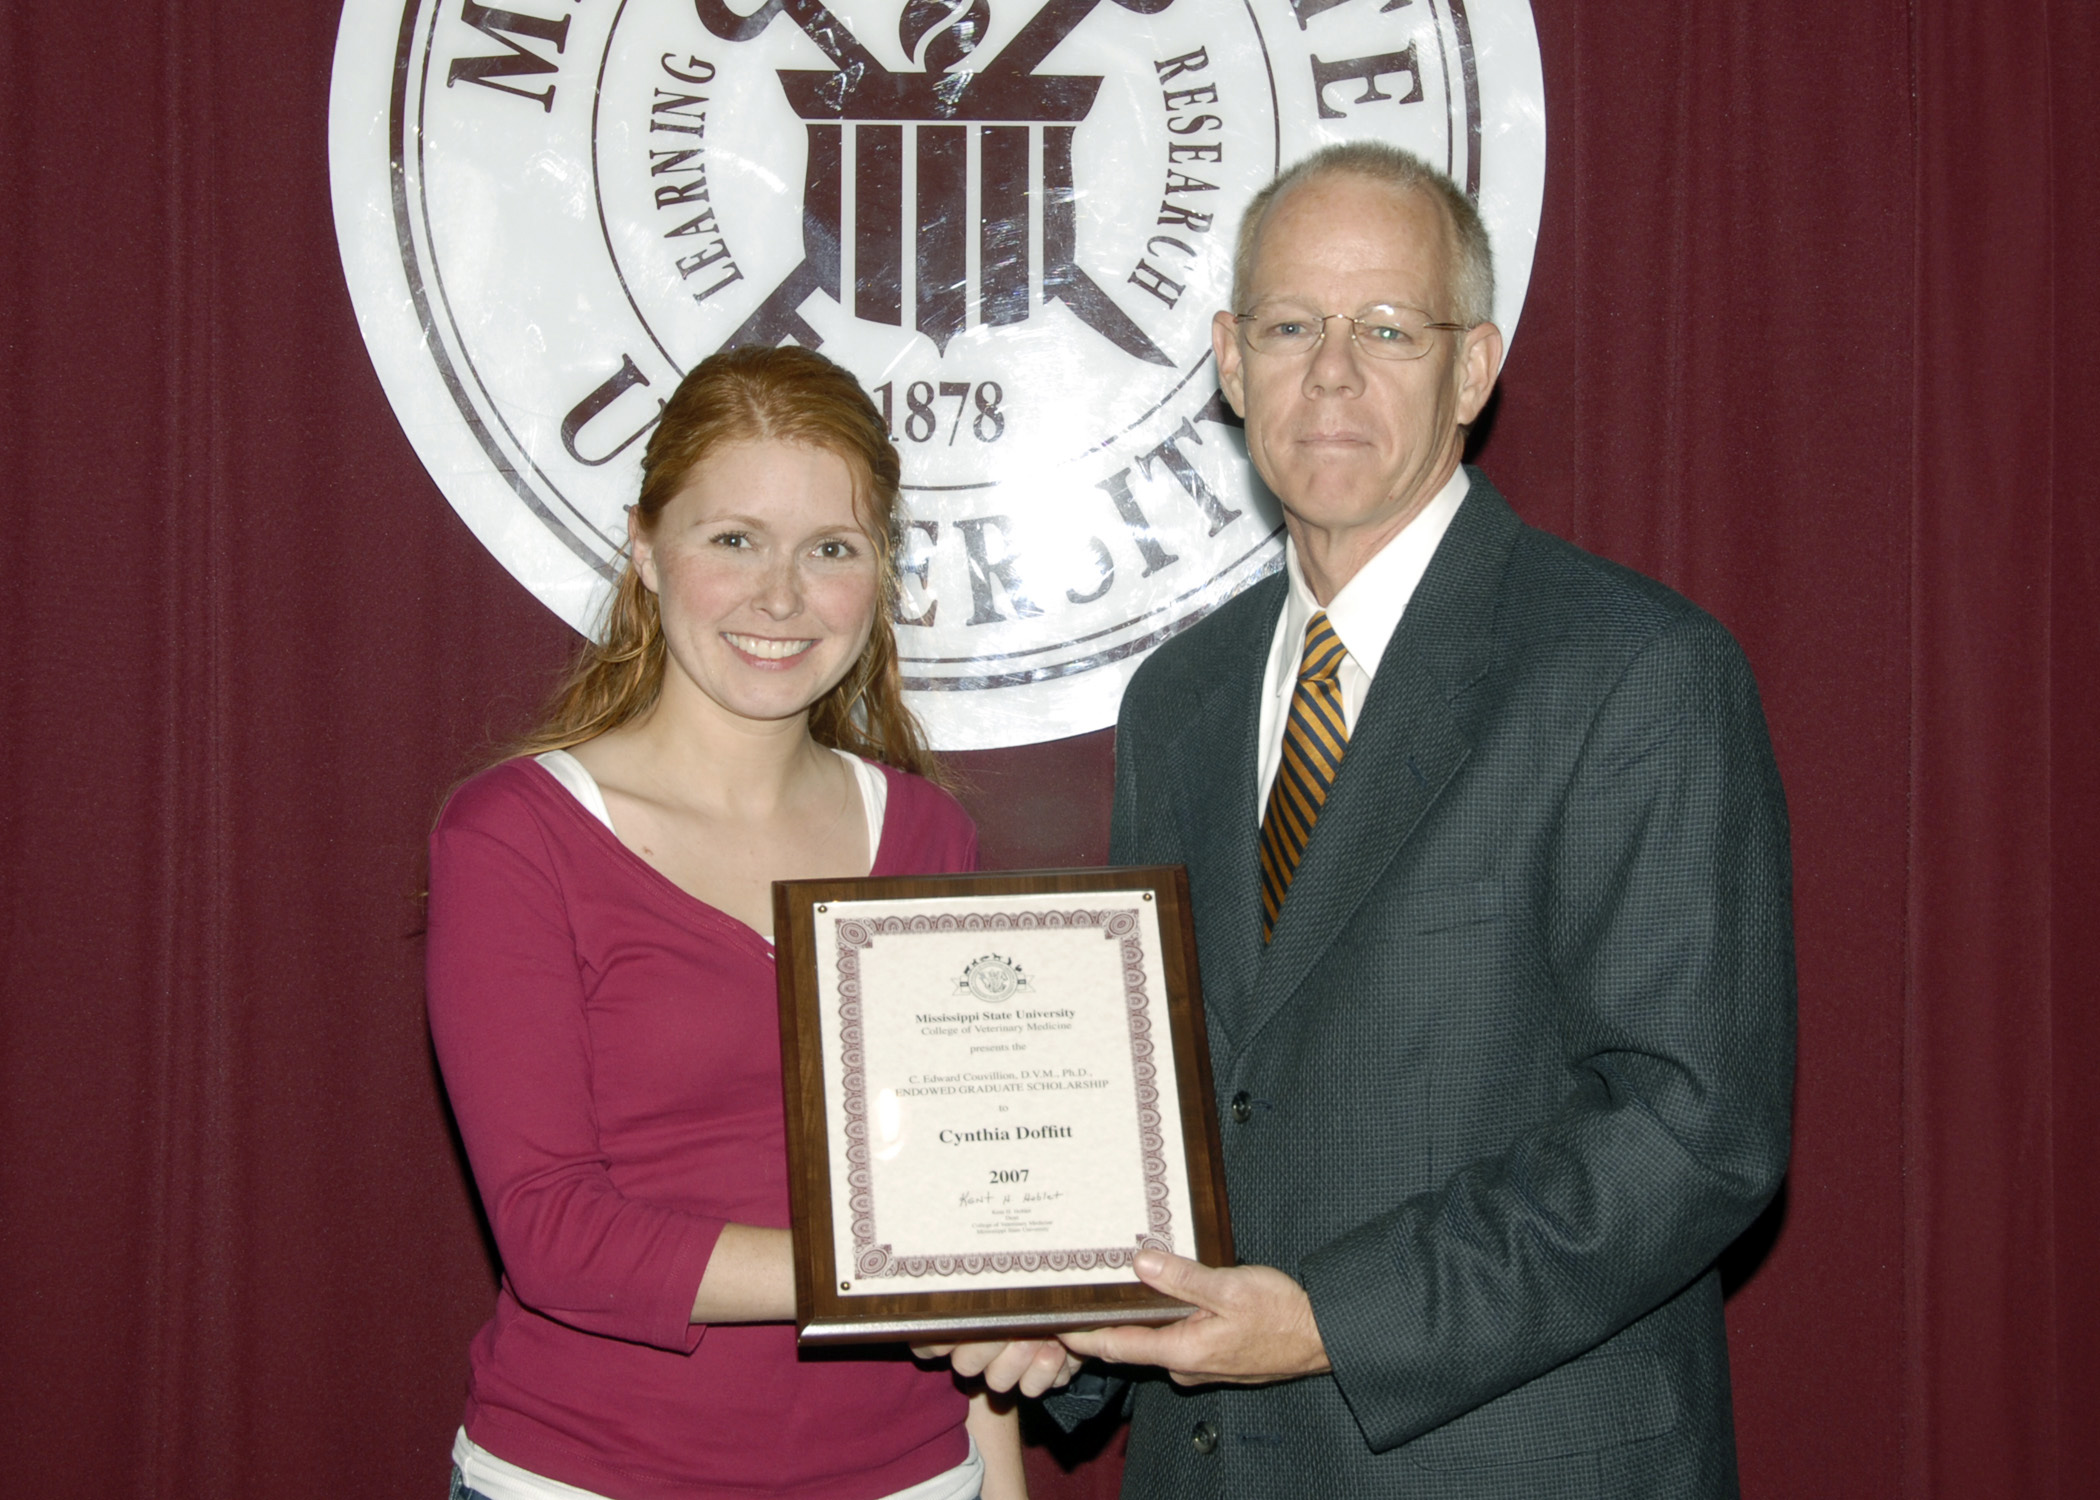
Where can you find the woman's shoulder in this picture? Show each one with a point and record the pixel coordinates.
(929, 822)
(507, 797)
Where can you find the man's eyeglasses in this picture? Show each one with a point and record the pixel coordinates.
(1381, 332)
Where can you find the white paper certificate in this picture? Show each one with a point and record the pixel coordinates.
(1000, 1089)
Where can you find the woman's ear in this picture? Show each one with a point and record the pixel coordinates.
(639, 549)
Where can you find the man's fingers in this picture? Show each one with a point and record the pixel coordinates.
(1183, 1279)
(1089, 1343)
(1171, 1348)
(1128, 1345)
(1251, 1324)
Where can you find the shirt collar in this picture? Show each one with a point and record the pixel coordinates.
(1368, 609)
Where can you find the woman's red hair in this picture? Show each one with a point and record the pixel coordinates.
(755, 395)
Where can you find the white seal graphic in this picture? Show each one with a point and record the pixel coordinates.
(1011, 219)
(994, 979)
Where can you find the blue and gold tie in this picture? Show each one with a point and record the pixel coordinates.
(1314, 737)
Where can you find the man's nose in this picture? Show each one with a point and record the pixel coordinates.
(1337, 364)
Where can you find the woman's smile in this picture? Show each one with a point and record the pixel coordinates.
(765, 648)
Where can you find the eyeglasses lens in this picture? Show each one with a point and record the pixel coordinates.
(1380, 332)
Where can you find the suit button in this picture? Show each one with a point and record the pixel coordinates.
(1205, 1437)
(1242, 1112)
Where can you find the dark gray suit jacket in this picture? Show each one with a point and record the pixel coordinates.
(1518, 1063)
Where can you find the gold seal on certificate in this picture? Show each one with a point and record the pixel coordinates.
(998, 1093)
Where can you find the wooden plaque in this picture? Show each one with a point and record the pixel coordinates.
(998, 1091)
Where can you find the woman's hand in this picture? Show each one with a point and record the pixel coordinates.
(995, 1423)
(1031, 1366)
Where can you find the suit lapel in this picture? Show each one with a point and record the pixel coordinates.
(1408, 743)
(1213, 761)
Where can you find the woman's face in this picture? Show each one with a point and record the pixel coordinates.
(764, 575)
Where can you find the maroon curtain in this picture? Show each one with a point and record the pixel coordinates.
(1812, 337)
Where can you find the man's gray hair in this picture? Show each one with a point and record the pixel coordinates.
(1472, 261)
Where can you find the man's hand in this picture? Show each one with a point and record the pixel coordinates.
(1252, 1325)
(1031, 1366)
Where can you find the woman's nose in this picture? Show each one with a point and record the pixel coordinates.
(779, 590)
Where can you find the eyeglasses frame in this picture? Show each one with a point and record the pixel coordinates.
(1355, 326)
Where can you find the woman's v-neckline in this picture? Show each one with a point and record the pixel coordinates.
(678, 893)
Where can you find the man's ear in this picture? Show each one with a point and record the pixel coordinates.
(639, 549)
(1225, 345)
(1479, 362)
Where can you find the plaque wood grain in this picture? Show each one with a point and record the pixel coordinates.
(824, 1315)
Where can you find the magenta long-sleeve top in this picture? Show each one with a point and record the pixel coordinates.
(611, 1048)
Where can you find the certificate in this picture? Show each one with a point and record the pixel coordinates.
(998, 1092)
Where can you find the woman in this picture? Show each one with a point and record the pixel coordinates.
(602, 990)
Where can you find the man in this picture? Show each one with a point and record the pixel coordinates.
(1488, 859)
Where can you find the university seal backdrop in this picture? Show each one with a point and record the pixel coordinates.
(1012, 221)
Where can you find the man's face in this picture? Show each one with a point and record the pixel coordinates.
(1355, 446)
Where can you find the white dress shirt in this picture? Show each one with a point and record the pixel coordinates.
(1364, 614)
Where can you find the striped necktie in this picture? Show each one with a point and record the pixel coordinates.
(1314, 738)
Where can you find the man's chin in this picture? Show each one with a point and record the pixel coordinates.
(1331, 498)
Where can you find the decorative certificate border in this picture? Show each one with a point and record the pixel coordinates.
(873, 1259)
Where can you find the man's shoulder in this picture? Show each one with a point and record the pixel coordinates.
(1557, 592)
(1553, 580)
(1219, 650)
(1508, 602)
